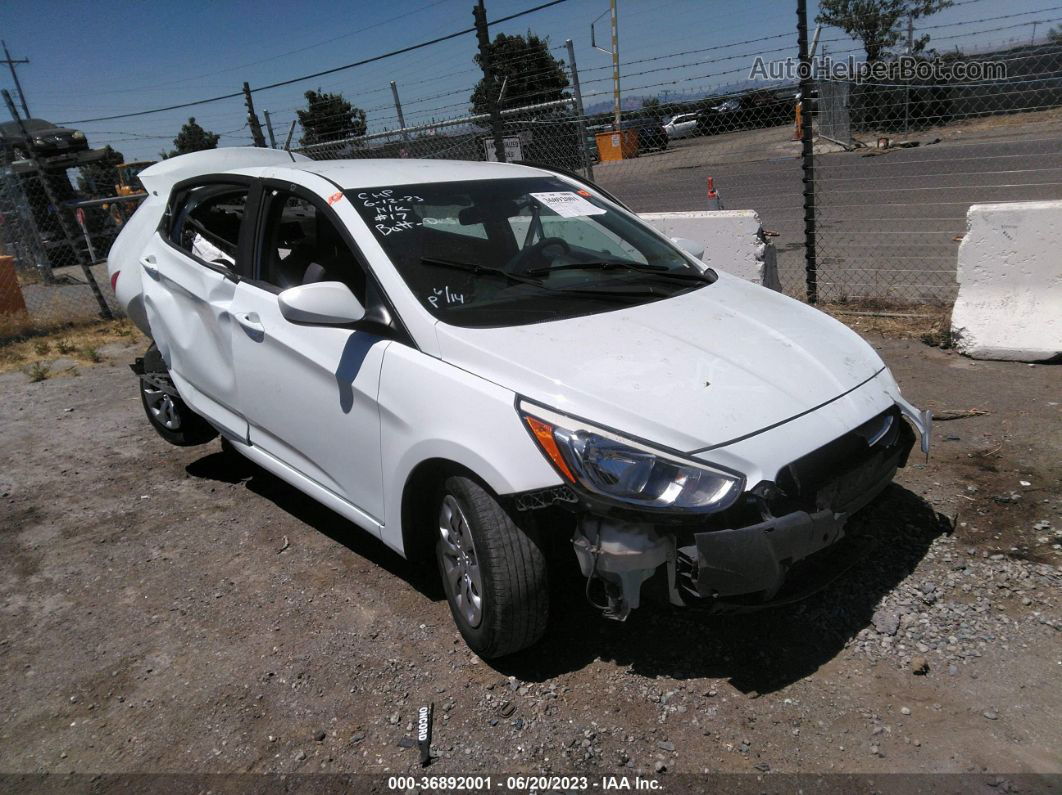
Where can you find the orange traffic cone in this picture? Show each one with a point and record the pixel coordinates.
(714, 202)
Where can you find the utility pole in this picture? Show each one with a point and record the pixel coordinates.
(22, 97)
(615, 61)
(252, 118)
(398, 110)
(1033, 41)
(587, 166)
(479, 13)
(614, 50)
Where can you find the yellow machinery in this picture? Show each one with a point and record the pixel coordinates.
(127, 181)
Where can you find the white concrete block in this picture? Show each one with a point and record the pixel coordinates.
(1010, 282)
(733, 241)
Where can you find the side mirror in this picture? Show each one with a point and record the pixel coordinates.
(321, 304)
(691, 247)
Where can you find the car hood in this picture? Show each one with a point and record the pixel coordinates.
(704, 368)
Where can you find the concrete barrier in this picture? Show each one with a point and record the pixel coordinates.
(1010, 282)
(733, 241)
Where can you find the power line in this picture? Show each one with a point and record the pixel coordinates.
(288, 82)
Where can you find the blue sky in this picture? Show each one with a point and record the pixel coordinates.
(91, 59)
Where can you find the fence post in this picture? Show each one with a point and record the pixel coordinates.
(269, 129)
(398, 110)
(807, 155)
(587, 160)
(252, 118)
(53, 201)
(479, 13)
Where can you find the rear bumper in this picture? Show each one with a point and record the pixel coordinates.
(755, 560)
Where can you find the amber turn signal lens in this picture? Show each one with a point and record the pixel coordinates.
(543, 433)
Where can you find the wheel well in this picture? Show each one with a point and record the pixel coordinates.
(418, 525)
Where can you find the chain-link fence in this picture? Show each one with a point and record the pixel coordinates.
(891, 196)
(897, 157)
(56, 231)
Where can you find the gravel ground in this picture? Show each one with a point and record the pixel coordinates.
(178, 610)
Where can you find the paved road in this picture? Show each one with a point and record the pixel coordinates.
(886, 223)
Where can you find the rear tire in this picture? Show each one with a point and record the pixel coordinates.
(169, 415)
(494, 571)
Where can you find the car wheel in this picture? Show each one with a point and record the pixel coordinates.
(169, 415)
(493, 571)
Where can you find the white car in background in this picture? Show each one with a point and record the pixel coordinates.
(681, 126)
(471, 360)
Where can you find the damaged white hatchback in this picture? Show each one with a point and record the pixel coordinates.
(470, 360)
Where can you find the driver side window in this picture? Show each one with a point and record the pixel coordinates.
(301, 245)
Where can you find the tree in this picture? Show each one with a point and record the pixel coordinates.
(192, 138)
(100, 177)
(877, 23)
(329, 117)
(531, 75)
(1054, 36)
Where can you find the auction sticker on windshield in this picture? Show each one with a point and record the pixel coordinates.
(567, 204)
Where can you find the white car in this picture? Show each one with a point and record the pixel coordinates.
(474, 360)
(681, 126)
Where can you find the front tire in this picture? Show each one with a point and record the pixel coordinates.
(493, 571)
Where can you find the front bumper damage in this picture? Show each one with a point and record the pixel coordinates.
(742, 559)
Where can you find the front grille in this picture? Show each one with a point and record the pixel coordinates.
(873, 442)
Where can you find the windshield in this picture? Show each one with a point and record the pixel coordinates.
(506, 252)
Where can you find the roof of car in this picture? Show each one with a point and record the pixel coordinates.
(348, 174)
(371, 173)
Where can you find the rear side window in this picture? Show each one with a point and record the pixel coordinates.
(206, 223)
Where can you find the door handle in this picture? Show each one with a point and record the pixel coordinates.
(250, 321)
(150, 265)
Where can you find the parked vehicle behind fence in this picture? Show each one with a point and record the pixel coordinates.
(476, 361)
(681, 126)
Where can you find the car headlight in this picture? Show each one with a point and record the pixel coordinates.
(78, 135)
(627, 471)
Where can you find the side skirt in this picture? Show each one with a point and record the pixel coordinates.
(309, 487)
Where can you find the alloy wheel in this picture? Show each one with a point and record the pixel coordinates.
(460, 563)
(162, 407)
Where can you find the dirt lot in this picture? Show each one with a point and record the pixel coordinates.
(166, 609)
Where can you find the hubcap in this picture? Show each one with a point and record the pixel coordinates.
(460, 564)
(161, 406)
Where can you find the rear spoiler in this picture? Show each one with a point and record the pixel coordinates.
(159, 178)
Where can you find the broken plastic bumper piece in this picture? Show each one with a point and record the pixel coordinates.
(756, 559)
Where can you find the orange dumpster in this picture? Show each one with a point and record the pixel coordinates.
(617, 145)
(11, 300)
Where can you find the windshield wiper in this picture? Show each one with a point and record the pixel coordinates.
(604, 265)
(488, 271)
(482, 270)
